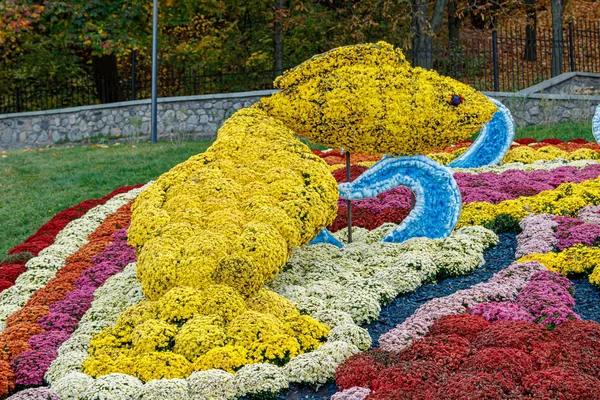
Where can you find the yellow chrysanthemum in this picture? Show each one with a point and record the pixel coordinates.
(368, 99)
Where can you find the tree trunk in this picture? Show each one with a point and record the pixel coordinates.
(422, 38)
(531, 31)
(557, 36)
(278, 38)
(106, 77)
(453, 23)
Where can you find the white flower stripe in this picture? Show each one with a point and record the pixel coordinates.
(41, 269)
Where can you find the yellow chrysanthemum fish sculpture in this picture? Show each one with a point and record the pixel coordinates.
(368, 99)
(212, 231)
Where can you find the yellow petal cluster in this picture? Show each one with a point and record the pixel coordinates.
(209, 234)
(230, 215)
(529, 155)
(566, 199)
(367, 98)
(573, 261)
(191, 332)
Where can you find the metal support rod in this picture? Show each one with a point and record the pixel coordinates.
(154, 111)
(133, 74)
(348, 202)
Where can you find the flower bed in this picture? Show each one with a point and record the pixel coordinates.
(14, 265)
(63, 315)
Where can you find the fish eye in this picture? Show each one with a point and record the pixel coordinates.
(455, 100)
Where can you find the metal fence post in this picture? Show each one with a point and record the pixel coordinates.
(495, 60)
(133, 74)
(571, 47)
(18, 99)
(195, 80)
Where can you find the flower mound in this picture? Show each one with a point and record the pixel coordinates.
(210, 233)
(502, 360)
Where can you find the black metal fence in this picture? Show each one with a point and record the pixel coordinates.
(497, 63)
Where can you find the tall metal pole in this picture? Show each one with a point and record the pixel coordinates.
(154, 111)
(348, 202)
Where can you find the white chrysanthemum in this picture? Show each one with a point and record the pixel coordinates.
(8, 310)
(290, 292)
(17, 295)
(113, 387)
(214, 384)
(65, 364)
(546, 165)
(463, 243)
(400, 277)
(358, 234)
(35, 277)
(259, 378)
(72, 386)
(383, 291)
(313, 368)
(45, 262)
(478, 233)
(77, 342)
(356, 251)
(108, 315)
(116, 284)
(353, 334)
(90, 327)
(338, 350)
(164, 389)
(454, 263)
(308, 305)
(379, 233)
(421, 244)
(333, 318)
(286, 278)
(420, 261)
(59, 250)
(323, 289)
(340, 271)
(304, 257)
(361, 304)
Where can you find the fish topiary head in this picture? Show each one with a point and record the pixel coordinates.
(367, 98)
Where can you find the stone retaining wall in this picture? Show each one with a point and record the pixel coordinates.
(548, 109)
(201, 117)
(197, 116)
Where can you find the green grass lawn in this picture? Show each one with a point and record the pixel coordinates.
(36, 184)
(565, 131)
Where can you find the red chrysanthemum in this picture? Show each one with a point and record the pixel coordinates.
(516, 334)
(449, 351)
(5, 284)
(355, 172)
(464, 325)
(478, 386)
(357, 371)
(413, 380)
(11, 272)
(561, 383)
(525, 141)
(510, 364)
